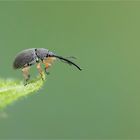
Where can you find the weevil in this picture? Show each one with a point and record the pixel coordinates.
(29, 57)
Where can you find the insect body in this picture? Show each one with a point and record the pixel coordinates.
(27, 58)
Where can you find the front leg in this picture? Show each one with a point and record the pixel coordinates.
(48, 62)
(47, 65)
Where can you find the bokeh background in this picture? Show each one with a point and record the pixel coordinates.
(102, 101)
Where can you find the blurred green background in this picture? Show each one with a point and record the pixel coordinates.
(102, 101)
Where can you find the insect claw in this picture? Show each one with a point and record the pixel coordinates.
(42, 79)
(25, 84)
(47, 72)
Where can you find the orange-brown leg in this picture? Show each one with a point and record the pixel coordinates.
(40, 70)
(48, 62)
(26, 74)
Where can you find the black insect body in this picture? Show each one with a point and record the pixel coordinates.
(27, 58)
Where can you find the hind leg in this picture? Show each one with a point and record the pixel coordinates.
(26, 74)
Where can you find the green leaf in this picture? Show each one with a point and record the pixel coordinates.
(12, 90)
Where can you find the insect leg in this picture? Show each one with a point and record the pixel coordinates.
(38, 66)
(26, 74)
(48, 62)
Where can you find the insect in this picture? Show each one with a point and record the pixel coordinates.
(28, 57)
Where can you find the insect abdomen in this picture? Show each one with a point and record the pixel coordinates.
(24, 58)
